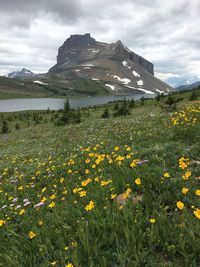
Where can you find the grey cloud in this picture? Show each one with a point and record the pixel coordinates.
(21, 13)
(165, 32)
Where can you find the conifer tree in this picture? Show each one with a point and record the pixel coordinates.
(4, 128)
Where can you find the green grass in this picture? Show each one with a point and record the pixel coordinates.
(42, 160)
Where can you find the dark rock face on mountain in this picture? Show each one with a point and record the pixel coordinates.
(22, 74)
(120, 69)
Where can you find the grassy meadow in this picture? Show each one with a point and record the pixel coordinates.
(113, 192)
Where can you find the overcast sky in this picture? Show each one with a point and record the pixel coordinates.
(165, 32)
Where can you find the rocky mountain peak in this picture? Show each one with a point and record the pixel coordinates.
(82, 57)
(78, 40)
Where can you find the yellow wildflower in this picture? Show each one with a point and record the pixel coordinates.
(2, 222)
(113, 196)
(52, 205)
(74, 244)
(62, 180)
(31, 234)
(44, 189)
(87, 171)
(86, 182)
(76, 190)
(197, 192)
(127, 193)
(96, 179)
(180, 205)
(186, 175)
(184, 190)
(152, 220)
(40, 223)
(64, 192)
(103, 183)
(20, 187)
(166, 175)
(53, 263)
(138, 181)
(134, 163)
(43, 199)
(90, 206)
(22, 211)
(82, 193)
(69, 265)
(197, 213)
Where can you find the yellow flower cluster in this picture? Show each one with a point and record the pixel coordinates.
(188, 116)
(183, 163)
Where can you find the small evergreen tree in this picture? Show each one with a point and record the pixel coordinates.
(142, 99)
(123, 110)
(132, 104)
(116, 107)
(105, 114)
(193, 96)
(171, 103)
(69, 115)
(4, 128)
(77, 117)
(17, 126)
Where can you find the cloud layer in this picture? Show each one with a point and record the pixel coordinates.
(164, 32)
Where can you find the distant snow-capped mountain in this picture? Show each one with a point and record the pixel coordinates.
(22, 74)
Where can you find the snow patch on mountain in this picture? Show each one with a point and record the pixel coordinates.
(112, 87)
(135, 74)
(159, 91)
(141, 89)
(123, 80)
(125, 63)
(39, 82)
(140, 82)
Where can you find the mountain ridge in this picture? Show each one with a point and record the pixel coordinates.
(188, 86)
